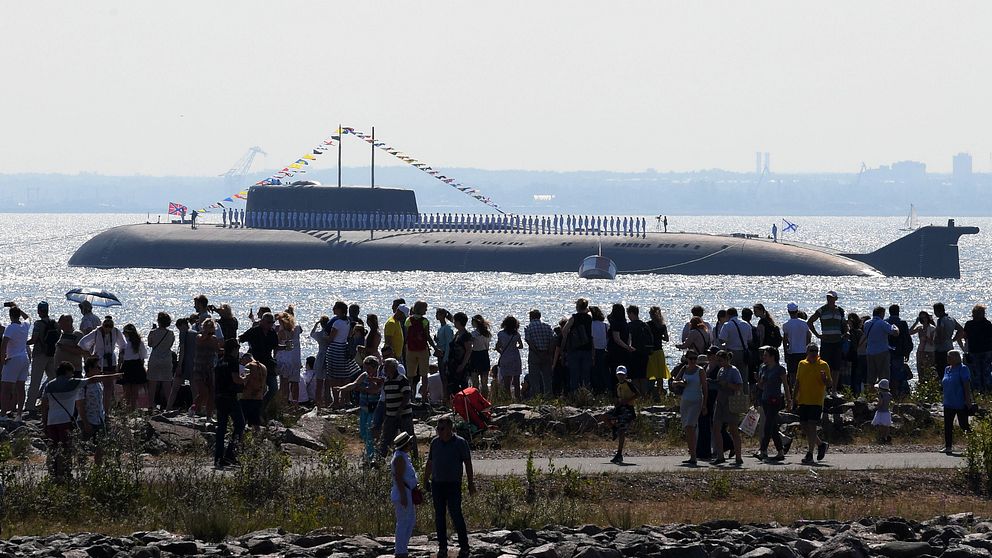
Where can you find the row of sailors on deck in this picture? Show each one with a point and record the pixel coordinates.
(553, 224)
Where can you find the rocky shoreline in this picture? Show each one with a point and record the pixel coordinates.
(955, 536)
(176, 433)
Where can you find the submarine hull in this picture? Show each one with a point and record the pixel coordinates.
(168, 246)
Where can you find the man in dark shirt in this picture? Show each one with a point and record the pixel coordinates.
(443, 471)
(978, 332)
(262, 342)
(577, 337)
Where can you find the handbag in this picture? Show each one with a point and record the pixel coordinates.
(416, 495)
(739, 402)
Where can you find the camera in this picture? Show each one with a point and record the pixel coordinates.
(9, 304)
(211, 308)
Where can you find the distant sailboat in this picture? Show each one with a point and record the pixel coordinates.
(912, 220)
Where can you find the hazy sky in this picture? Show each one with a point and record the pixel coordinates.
(186, 87)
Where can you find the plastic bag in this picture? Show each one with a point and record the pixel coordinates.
(749, 425)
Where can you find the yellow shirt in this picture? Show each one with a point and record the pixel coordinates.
(812, 388)
(393, 333)
(625, 393)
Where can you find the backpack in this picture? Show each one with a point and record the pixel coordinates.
(577, 336)
(416, 335)
(641, 338)
(51, 336)
(773, 335)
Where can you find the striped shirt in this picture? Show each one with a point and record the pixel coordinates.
(395, 391)
(831, 323)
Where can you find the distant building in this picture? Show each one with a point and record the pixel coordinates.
(757, 162)
(768, 163)
(908, 171)
(962, 168)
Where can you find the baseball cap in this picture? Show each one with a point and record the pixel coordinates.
(621, 370)
(404, 308)
(882, 384)
(832, 294)
(793, 307)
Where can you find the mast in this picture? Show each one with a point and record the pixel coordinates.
(340, 135)
(373, 157)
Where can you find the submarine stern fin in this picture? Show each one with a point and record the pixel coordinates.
(930, 251)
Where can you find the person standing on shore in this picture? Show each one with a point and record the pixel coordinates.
(958, 399)
(262, 342)
(89, 321)
(369, 385)
(539, 336)
(876, 341)
(404, 481)
(398, 410)
(105, 342)
(252, 391)
(577, 338)
(729, 381)
(14, 354)
(948, 331)
(44, 339)
(479, 362)
(418, 344)
(228, 384)
(690, 382)
(795, 338)
(978, 333)
(833, 326)
(161, 340)
(447, 456)
(773, 389)
(812, 382)
(925, 330)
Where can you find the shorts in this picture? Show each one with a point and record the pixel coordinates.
(623, 416)
(810, 413)
(16, 369)
(252, 409)
(882, 418)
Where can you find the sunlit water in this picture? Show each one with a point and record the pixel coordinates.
(35, 249)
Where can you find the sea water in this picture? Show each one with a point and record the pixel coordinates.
(35, 249)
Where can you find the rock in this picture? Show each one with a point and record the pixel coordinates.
(146, 552)
(690, 551)
(177, 438)
(263, 546)
(760, 552)
(965, 552)
(297, 451)
(301, 438)
(101, 551)
(895, 526)
(905, 549)
(543, 551)
(596, 552)
(316, 538)
(844, 545)
(581, 423)
(182, 548)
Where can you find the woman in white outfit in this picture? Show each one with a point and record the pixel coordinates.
(15, 362)
(404, 479)
(160, 370)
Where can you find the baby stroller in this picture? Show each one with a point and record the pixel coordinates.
(475, 426)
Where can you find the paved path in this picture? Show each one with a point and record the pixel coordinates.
(662, 464)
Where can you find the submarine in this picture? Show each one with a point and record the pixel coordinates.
(309, 226)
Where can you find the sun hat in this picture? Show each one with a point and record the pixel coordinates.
(401, 440)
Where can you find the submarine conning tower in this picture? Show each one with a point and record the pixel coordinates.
(312, 198)
(930, 251)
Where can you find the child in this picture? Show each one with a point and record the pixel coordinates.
(621, 417)
(883, 417)
(435, 385)
(308, 388)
